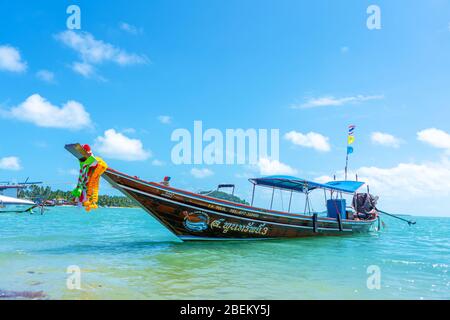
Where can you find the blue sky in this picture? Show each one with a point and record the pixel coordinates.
(147, 68)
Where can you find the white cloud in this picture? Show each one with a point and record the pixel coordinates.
(328, 101)
(408, 179)
(71, 172)
(92, 51)
(129, 130)
(344, 49)
(165, 119)
(309, 140)
(244, 175)
(385, 139)
(95, 51)
(46, 76)
(10, 59)
(435, 137)
(84, 69)
(420, 188)
(201, 173)
(157, 163)
(130, 28)
(10, 163)
(37, 110)
(115, 145)
(272, 167)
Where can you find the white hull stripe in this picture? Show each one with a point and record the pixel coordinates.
(194, 238)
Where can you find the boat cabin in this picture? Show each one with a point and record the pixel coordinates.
(333, 192)
(11, 190)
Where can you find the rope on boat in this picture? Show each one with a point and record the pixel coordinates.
(410, 222)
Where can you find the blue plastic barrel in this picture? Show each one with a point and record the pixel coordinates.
(335, 207)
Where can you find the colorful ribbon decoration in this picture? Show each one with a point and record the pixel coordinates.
(86, 191)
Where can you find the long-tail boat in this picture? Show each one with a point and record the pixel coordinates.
(192, 216)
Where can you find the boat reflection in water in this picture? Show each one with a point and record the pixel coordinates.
(192, 216)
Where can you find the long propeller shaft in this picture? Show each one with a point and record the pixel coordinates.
(410, 222)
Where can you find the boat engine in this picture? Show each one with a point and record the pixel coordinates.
(365, 205)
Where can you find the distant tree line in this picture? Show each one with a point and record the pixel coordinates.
(40, 193)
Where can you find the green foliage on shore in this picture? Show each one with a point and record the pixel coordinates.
(115, 201)
(46, 193)
(224, 196)
(40, 193)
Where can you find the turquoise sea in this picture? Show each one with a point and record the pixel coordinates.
(126, 254)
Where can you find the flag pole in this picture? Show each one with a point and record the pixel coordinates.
(346, 165)
(350, 140)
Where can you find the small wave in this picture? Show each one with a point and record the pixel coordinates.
(440, 265)
(405, 262)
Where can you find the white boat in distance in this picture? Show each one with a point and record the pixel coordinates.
(9, 201)
(9, 204)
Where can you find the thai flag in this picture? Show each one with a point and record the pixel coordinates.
(351, 129)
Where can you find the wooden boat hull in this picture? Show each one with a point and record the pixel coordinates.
(192, 216)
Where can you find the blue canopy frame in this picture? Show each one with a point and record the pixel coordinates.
(305, 186)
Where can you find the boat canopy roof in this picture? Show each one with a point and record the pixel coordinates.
(305, 186)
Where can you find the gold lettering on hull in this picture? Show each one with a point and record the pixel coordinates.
(250, 228)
